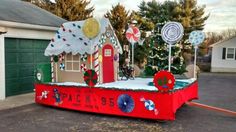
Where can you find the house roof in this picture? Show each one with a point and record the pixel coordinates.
(223, 42)
(70, 38)
(24, 12)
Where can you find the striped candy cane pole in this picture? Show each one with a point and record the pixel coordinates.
(52, 70)
(96, 61)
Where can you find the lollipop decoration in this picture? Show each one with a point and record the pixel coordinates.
(172, 32)
(196, 38)
(125, 103)
(164, 80)
(90, 78)
(91, 29)
(133, 36)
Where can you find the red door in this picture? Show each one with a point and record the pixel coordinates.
(108, 64)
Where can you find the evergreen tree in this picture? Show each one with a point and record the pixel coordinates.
(119, 19)
(72, 10)
(192, 18)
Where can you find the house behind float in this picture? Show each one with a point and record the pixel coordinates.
(224, 56)
(71, 53)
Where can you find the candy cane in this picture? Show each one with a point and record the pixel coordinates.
(96, 61)
(52, 70)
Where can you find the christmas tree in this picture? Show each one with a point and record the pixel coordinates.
(189, 14)
(160, 13)
(158, 55)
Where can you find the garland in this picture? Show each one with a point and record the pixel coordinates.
(162, 58)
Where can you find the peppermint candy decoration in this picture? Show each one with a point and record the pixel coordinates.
(62, 66)
(90, 78)
(61, 57)
(84, 57)
(83, 67)
(149, 105)
(125, 103)
(133, 34)
(196, 37)
(172, 32)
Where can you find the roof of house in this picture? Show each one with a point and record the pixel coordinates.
(223, 41)
(24, 12)
(70, 38)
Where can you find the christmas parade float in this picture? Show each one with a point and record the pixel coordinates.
(85, 74)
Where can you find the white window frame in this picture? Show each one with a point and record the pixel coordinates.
(72, 63)
(226, 53)
(107, 52)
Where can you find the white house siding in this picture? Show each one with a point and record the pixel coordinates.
(223, 65)
(18, 33)
(2, 68)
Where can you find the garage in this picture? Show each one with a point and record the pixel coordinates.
(25, 31)
(22, 56)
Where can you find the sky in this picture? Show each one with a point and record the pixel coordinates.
(222, 12)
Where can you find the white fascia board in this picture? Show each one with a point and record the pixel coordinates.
(26, 26)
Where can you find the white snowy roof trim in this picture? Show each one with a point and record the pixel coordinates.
(70, 39)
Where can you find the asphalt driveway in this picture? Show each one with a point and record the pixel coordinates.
(214, 89)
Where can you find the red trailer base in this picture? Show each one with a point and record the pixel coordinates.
(131, 103)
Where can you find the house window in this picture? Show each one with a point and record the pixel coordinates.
(230, 53)
(107, 52)
(72, 63)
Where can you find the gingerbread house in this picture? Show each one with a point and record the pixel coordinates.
(72, 52)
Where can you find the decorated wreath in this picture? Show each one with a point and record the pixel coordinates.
(164, 80)
(90, 78)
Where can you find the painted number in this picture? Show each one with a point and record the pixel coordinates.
(104, 101)
(109, 101)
